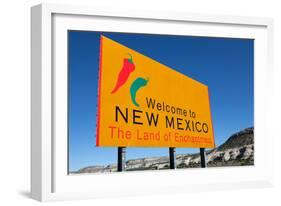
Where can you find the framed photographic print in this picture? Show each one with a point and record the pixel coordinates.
(133, 102)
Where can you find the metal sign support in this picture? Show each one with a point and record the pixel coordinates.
(203, 158)
(172, 151)
(121, 159)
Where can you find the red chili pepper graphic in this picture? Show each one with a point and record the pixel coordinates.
(128, 67)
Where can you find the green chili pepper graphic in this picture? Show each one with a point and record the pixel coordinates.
(136, 85)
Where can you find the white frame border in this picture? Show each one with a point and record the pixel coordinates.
(42, 85)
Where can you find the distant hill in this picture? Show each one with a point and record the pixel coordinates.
(239, 139)
(237, 150)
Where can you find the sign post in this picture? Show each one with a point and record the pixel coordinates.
(121, 159)
(172, 151)
(203, 158)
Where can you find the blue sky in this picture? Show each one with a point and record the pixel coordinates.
(224, 64)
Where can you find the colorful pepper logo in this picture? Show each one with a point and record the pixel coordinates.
(127, 68)
(137, 84)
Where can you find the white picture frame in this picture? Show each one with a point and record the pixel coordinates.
(49, 177)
